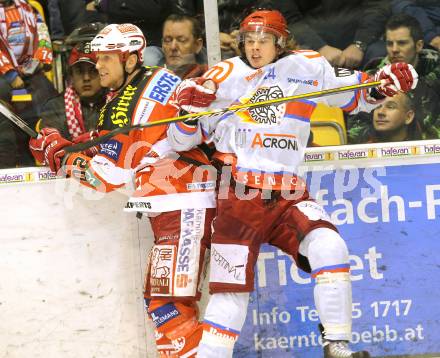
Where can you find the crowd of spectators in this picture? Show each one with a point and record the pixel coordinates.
(404, 42)
(365, 35)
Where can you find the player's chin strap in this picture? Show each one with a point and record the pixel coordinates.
(126, 75)
(237, 108)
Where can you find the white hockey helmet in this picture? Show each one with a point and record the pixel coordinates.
(120, 38)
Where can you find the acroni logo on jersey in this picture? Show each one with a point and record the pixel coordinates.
(162, 87)
(273, 140)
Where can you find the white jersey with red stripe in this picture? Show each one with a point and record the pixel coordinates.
(268, 143)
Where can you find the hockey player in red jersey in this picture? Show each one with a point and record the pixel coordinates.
(170, 187)
(264, 201)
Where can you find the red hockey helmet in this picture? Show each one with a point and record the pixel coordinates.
(82, 53)
(267, 21)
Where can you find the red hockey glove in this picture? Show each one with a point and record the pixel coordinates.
(397, 77)
(195, 94)
(47, 148)
(86, 137)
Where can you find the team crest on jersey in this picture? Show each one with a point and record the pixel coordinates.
(267, 115)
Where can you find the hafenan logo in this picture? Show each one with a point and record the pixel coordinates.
(355, 154)
(318, 157)
(12, 178)
(431, 149)
(395, 152)
(278, 141)
(46, 175)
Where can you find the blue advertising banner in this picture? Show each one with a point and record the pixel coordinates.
(389, 217)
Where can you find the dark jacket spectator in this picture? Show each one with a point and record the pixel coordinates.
(343, 31)
(427, 67)
(427, 12)
(188, 7)
(76, 110)
(148, 15)
(54, 115)
(404, 39)
(8, 144)
(25, 51)
(67, 15)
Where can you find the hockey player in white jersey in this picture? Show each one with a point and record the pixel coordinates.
(265, 201)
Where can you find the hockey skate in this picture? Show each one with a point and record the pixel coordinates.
(340, 349)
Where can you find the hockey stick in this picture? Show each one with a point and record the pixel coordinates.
(11, 116)
(82, 146)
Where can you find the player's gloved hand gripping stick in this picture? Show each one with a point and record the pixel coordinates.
(388, 82)
(194, 116)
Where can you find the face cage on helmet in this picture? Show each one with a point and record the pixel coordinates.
(280, 40)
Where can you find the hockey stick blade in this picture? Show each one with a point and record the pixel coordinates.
(83, 146)
(20, 123)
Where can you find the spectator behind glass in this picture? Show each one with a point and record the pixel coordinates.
(182, 44)
(76, 110)
(25, 51)
(427, 12)
(394, 120)
(404, 42)
(148, 15)
(8, 143)
(345, 32)
(67, 15)
(230, 13)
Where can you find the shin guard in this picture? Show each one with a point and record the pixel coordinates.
(332, 294)
(223, 320)
(328, 257)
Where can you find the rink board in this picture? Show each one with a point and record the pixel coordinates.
(70, 271)
(393, 240)
(71, 264)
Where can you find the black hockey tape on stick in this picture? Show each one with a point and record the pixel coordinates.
(20, 123)
(83, 146)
